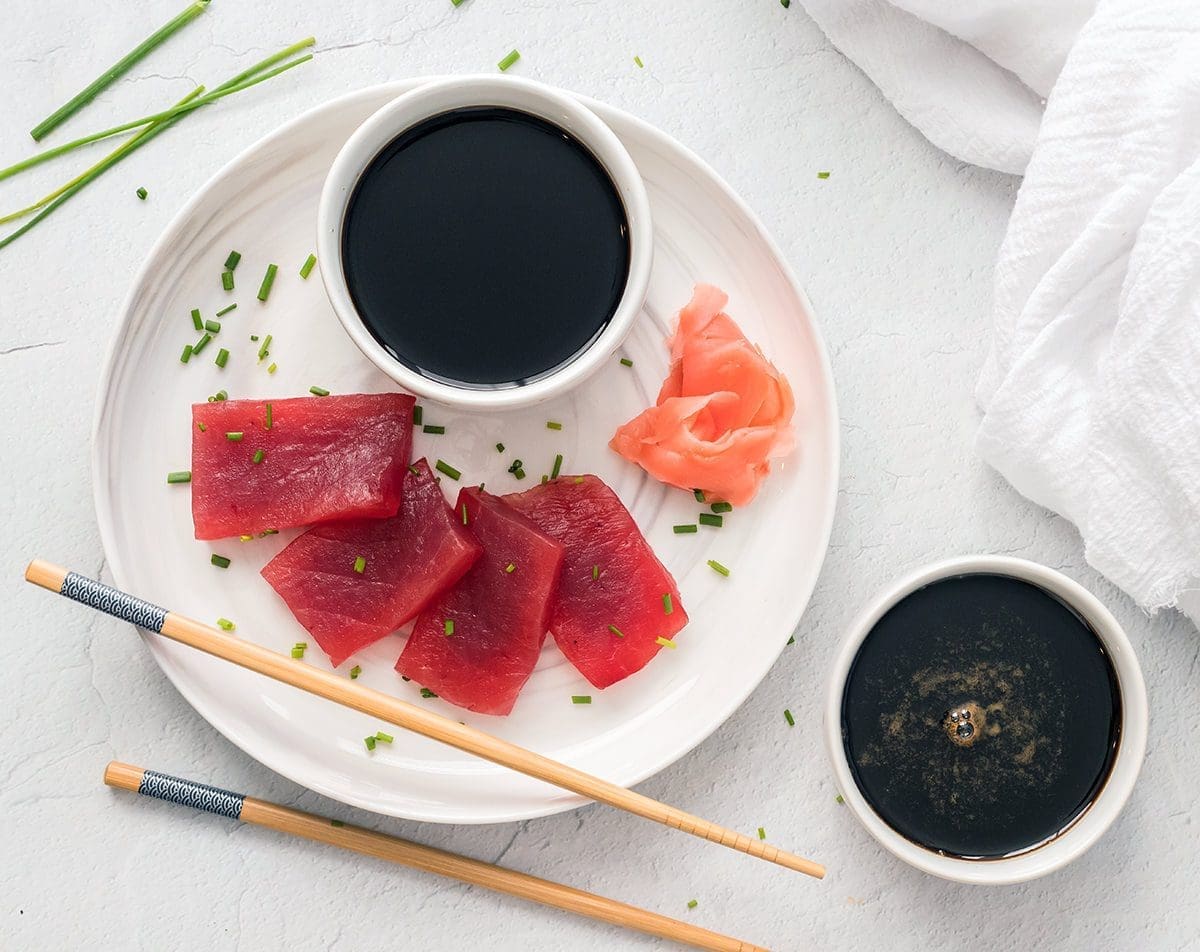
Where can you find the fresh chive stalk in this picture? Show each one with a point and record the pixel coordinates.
(510, 568)
(186, 355)
(355, 672)
(708, 519)
(227, 280)
(499, 447)
(229, 307)
(264, 348)
(201, 344)
(448, 627)
(718, 567)
(360, 564)
(685, 529)
(231, 262)
(258, 457)
(446, 469)
(141, 193)
(384, 738)
(787, 716)
(418, 414)
(665, 643)
(264, 289)
(595, 572)
(699, 494)
(370, 742)
(822, 175)
(553, 425)
(225, 624)
(197, 320)
(557, 468)
(213, 327)
(638, 61)
(318, 391)
(219, 561)
(668, 604)
(235, 436)
(222, 358)
(626, 362)
(508, 60)
(426, 693)
(435, 430)
(581, 699)
(719, 507)
(306, 268)
(180, 476)
(616, 631)
(762, 834)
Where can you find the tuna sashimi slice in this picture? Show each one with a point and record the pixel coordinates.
(477, 645)
(611, 579)
(323, 458)
(408, 560)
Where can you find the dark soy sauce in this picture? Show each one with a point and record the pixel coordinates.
(485, 248)
(981, 716)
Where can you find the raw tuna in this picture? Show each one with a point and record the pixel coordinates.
(477, 645)
(722, 414)
(611, 579)
(323, 458)
(410, 559)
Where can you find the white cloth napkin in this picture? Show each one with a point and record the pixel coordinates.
(1091, 391)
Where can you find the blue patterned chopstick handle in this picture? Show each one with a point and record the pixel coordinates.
(189, 793)
(113, 601)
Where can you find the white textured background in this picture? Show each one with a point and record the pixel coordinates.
(895, 250)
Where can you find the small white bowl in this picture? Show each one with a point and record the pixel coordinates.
(435, 98)
(1094, 821)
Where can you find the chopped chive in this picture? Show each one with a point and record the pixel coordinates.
(300, 646)
(520, 474)
(718, 567)
(510, 568)
(626, 362)
(263, 349)
(225, 624)
(272, 368)
(222, 357)
(557, 466)
(267, 532)
(762, 834)
(708, 519)
(446, 469)
(219, 396)
(270, 418)
(232, 261)
(245, 538)
(254, 338)
(197, 320)
(202, 428)
(787, 716)
(435, 430)
(141, 193)
(418, 414)
(355, 672)
(665, 643)
(219, 561)
(264, 289)
(448, 627)
(370, 742)
(464, 509)
(822, 175)
(508, 60)
(578, 480)
(213, 327)
(684, 529)
(360, 564)
(499, 447)
(426, 693)
(516, 465)
(792, 640)
(699, 494)
(226, 310)
(306, 268)
(839, 799)
(668, 604)
(553, 425)
(545, 479)
(595, 572)
(457, 3)
(180, 476)
(235, 436)
(258, 457)
(692, 904)
(785, 3)
(337, 823)
(186, 355)
(581, 699)
(201, 344)
(318, 391)
(616, 631)
(227, 280)
(384, 738)
(638, 61)
(413, 469)
(719, 507)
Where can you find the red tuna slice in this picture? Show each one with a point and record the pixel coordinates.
(411, 558)
(497, 618)
(323, 458)
(611, 578)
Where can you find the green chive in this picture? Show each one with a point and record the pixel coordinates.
(699, 494)
(553, 425)
(520, 474)
(446, 469)
(557, 466)
(721, 507)
(499, 447)
(626, 362)
(300, 646)
(665, 643)
(516, 465)
(337, 823)
(718, 567)
(254, 338)
(272, 368)
(318, 391)
(186, 355)
(692, 904)
(762, 834)
(267, 532)
(116, 71)
(226, 310)
(222, 357)
(264, 289)
(464, 509)
(792, 640)
(227, 280)
(219, 396)
(213, 327)
(235, 436)
(197, 320)
(306, 268)
(245, 538)
(413, 469)
(640, 64)
(202, 428)
(232, 261)
(225, 624)
(448, 627)
(180, 476)
(581, 699)
(708, 519)
(839, 799)
(141, 193)
(508, 60)
(595, 572)
(545, 479)
(668, 604)
(435, 430)
(822, 175)
(258, 457)
(684, 529)
(426, 693)
(578, 480)
(384, 738)
(370, 742)
(510, 568)
(418, 414)
(787, 716)
(616, 631)
(355, 672)
(219, 561)
(270, 418)
(263, 349)
(360, 565)
(201, 344)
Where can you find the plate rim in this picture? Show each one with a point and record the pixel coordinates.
(212, 712)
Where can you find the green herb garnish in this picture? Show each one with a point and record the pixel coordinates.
(626, 362)
(318, 391)
(508, 60)
(264, 348)
(225, 310)
(426, 693)
(638, 61)
(787, 716)
(510, 568)
(186, 355)
(762, 834)
(222, 358)
(384, 738)
(668, 604)
(225, 624)
(719, 507)
(299, 648)
(235, 436)
(180, 476)
(258, 457)
(141, 193)
(201, 344)
(231, 262)
(616, 631)
(355, 672)
(792, 640)
(435, 430)
(264, 289)
(448, 627)
(499, 447)
(227, 280)
(446, 469)
(581, 699)
(272, 368)
(360, 565)
(219, 561)
(595, 572)
(197, 320)
(718, 567)
(699, 494)
(418, 414)
(370, 742)
(708, 519)
(692, 904)
(269, 420)
(306, 268)
(839, 799)
(553, 425)
(822, 175)
(464, 509)
(213, 327)
(665, 643)
(685, 529)
(557, 468)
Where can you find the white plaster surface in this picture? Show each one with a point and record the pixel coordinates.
(895, 250)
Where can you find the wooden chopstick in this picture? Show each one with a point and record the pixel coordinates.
(348, 693)
(236, 806)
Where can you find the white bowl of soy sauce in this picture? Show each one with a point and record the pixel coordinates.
(485, 241)
(986, 719)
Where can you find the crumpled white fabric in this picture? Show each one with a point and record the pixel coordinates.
(1091, 391)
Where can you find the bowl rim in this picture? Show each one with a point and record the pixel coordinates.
(1094, 821)
(545, 102)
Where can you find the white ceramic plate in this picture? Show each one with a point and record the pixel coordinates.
(264, 204)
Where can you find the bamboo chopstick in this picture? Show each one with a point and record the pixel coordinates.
(343, 691)
(236, 806)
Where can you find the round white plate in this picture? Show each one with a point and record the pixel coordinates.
(264, 205)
